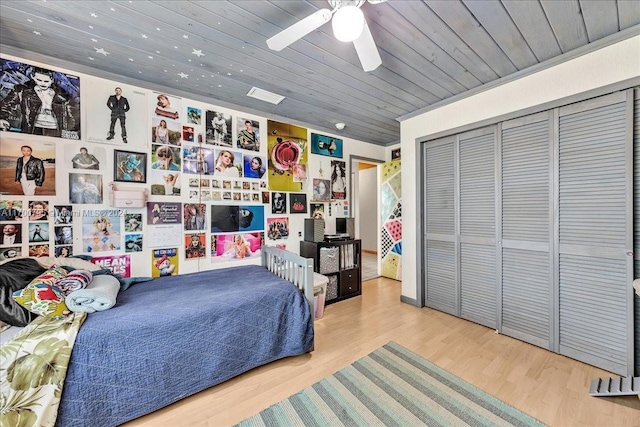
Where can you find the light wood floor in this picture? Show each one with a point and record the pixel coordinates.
(548, 386)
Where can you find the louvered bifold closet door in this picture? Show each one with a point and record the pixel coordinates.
(478, 288)
(636, 218)
(441, 275)
(526, 303)
(595, 232)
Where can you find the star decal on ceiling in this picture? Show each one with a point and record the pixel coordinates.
(185, 36)
(94, 40)
(144, 36)
(197, 52)
(91, 58)
(101, 51)
(131, 59)
(37, 33)
(93, 15)
(183, 75)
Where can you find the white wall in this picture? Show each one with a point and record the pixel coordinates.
(368, 190)
(141, 261)
(606, 66)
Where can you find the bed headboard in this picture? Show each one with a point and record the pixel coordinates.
(291, 267)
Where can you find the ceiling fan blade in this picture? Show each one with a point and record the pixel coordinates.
(298, 30)
(367, 50)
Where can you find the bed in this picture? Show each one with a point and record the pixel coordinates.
(174, 336)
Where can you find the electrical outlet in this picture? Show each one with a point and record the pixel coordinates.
(299, 233)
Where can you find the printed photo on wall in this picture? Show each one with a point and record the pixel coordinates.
(326, 145)
(11, 210)
(23, 88)
(129, 166)
(225, 218)
(101, 231)
(338, 180)
(248, 131)
(165, 157)
(317, 210)
(133, 242)
(116, 113)
(395, 154)
(235, 247)
(164, 262)
(10, 253)
(188, 134)
(85, 158)
(11, 234)
(197, 160)
(165, 131)
(297, 203)
(164, 213)
(165, 183)
(38, 210)
(195, 215)
(132, 222)
(194, 115)
(321, 189)
(195, 246)
(64, 251)
(38, 232)
(27, 167)
(64, 235)
(228, 163)
(85, 188)
(254, 166)
(39, 250)
(62, 214)
(278, 203)
(287, 148)
(165, 106)
(278, 228)
(218, 128)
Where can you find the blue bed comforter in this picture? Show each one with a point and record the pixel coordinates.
(174, 336)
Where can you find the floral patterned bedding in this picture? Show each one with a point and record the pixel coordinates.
(33, 366)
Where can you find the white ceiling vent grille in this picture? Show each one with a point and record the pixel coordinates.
(264, 95)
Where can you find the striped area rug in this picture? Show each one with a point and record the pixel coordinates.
(391, 387)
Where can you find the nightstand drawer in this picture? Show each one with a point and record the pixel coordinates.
(349, 281)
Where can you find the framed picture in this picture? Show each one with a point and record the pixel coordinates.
(298, 203)
(129, 166)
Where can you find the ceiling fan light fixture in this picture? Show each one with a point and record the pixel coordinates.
(347, 23)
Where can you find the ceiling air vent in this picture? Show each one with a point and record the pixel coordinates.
(264, 95)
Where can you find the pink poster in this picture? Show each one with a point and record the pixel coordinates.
(118, 264)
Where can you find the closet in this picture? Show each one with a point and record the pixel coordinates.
(528, 229)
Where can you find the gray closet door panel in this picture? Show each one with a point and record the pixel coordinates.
(477, 186)
(441, 276)
(592, 326)
(440, 234)
(526, 292)
(592, 180)
(525, 182)
(440, 204)
(478, 284)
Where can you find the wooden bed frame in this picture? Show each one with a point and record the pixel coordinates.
(291, 267)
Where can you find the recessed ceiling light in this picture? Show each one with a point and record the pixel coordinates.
(265, 95)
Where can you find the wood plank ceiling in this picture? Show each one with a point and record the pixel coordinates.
(216, 51)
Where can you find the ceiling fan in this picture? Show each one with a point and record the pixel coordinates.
(348, 25)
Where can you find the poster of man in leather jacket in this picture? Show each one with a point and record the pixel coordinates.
(27, 166)
(39, 101)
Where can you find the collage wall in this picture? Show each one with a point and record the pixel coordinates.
(219, 183)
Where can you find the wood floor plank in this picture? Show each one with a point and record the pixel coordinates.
(547, 386)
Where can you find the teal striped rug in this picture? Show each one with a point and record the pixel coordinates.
(391, 387)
